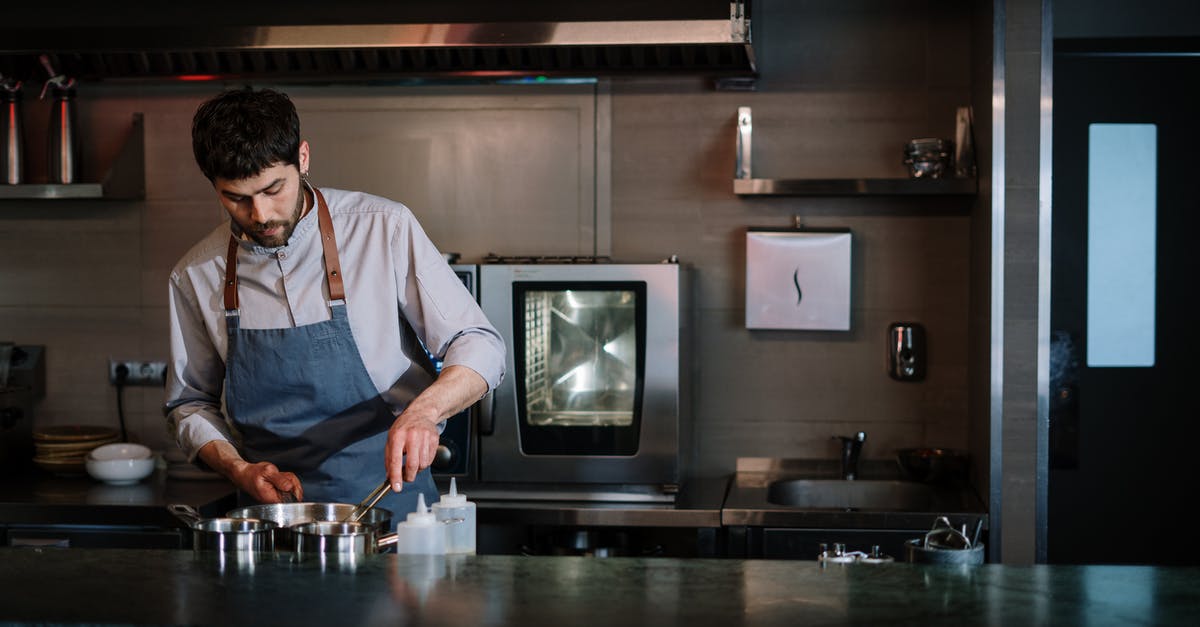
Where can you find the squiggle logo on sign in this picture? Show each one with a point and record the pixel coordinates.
(796, 281)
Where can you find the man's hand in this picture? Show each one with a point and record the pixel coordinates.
(412, 443)
(263, 482)
(413, 438)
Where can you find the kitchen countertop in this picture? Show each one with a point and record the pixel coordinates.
(36, 497)
(173, 587)
(748, 502)
(698, 504)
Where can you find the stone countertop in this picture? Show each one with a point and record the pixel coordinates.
(176, 587)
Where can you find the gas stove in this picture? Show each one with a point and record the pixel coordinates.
(544, 259)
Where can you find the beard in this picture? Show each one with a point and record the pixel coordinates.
(287, 226)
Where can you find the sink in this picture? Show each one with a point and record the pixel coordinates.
(900, 496)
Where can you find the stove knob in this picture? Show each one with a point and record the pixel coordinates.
(9, 417)
(444, 457)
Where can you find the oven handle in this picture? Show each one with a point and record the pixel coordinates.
(487, 414)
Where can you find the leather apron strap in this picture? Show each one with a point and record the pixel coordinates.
(333, 264)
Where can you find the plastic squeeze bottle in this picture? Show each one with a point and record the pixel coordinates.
(457, 515)
(420, 533)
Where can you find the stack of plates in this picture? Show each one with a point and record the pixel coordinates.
(62, 449)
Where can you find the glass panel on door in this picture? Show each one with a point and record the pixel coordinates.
(580, 357)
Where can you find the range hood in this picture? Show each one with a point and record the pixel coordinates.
(352, 41)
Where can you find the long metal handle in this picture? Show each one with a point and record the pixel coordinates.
(369, 502)
(743, 168)
(187, 514)
(487, 414)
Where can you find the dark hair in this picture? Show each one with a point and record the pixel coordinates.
(242, 132)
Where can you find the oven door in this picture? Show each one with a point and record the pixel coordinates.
(591, 394)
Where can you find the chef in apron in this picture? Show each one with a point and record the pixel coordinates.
(314, 313)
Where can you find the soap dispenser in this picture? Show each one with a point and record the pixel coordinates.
(421, 533)
(457, 514)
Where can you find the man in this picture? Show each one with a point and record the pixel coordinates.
(311, 312)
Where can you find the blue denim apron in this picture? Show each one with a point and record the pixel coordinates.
(303, 400)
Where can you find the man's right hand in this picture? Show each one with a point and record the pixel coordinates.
(265, 483)
(260, 481)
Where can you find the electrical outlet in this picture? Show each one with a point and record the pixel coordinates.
(149, 373)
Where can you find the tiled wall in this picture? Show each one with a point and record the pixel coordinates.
(844, 86)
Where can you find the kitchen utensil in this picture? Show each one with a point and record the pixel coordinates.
(62, 137)
(345, 538)
(12, 155)
(226, 534)
(943, 544)
(288, 515)
(933, 465)
(365, 506)
(944, 536)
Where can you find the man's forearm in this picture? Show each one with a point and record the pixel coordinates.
(456, 388)
(222, 457)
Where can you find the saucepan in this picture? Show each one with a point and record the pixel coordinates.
(227, 535)
(289, 515)
(343, 538)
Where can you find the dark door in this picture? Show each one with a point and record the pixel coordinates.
(1124, 414)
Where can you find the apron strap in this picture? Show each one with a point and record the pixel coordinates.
(333, 266)
(231, 299)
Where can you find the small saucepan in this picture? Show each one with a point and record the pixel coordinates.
(226, 535)
(342, 538)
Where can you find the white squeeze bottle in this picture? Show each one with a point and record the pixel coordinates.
(457, 515)
(420, 534)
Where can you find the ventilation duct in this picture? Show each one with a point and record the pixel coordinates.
(351, 41)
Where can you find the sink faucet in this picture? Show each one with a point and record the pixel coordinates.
(851, 447)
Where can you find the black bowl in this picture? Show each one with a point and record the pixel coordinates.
(933, 465)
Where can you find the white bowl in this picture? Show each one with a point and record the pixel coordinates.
(120, 464)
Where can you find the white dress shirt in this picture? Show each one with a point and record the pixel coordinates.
(393, 275)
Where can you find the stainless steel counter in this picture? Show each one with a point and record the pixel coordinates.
(749, 501)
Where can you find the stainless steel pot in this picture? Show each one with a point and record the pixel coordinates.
(227, 535)
(343, 538)
(288, 515)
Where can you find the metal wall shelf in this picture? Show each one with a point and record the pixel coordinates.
(125, 180)
(854, 187)
(744, 184)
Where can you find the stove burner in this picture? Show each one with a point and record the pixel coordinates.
(547, 259)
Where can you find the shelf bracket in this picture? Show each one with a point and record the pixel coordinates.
(742, 169)
(126, 179)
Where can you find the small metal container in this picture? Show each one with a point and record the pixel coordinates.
(233, 535)
(343, 538)
(226, 535)
(929, 157)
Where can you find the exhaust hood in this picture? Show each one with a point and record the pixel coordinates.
(352, 41)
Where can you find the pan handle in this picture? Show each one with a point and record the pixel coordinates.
(385, 540)
(185, 513)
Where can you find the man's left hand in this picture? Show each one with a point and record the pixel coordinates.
(412, 443)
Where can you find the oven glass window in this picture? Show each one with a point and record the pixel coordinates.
(580, 357)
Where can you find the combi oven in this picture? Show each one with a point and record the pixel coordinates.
(591, 395)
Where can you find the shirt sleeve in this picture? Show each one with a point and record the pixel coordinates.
(195, 376)
(441, 311)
